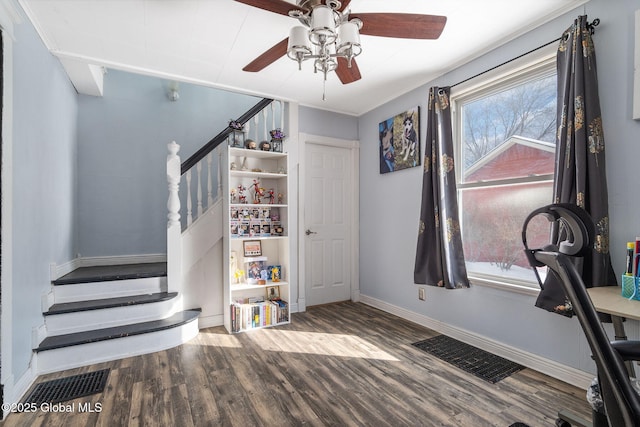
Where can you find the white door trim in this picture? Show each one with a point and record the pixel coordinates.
(9, 18)
(354, 147)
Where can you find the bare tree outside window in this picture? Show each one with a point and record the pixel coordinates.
(527, 110)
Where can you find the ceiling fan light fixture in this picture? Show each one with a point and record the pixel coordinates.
(323, 25)
(332, 37)
(349, 39)
(299, 46)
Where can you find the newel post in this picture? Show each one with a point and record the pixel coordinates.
(174, 231)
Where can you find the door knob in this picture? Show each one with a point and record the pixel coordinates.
(309, 232)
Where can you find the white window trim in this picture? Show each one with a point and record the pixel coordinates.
(536, 64)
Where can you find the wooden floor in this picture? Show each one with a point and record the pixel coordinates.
(345, 364)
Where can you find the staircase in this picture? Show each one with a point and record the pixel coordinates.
(102, 313)
(105, 313)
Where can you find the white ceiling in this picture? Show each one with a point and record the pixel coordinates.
(210, 41)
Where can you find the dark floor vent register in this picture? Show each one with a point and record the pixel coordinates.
(68, 388)
(471, 359)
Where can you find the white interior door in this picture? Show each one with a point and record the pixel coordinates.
(329, 198)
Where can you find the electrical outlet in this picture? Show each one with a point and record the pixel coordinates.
(422, 294)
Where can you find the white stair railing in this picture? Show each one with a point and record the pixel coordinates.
(208, 174)
(199, 181)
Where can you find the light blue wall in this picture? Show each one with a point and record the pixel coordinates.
(325, 123)
(123, 137)
(44, 179)
(503, 316)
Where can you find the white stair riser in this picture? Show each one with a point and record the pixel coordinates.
(103, 351)
(80, 321)
(109, 289)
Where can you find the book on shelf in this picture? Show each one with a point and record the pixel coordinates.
(246, 316)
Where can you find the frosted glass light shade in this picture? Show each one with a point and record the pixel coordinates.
(349, 43)
(323, 25)
(298, 45)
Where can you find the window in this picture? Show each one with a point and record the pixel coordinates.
(505, 130)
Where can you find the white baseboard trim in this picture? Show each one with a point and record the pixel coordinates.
(546, 366)
(210, 321)
(14, 392)
(58, 271)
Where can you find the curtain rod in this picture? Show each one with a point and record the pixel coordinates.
(590, 26)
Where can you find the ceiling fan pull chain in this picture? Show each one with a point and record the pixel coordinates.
(324, 86)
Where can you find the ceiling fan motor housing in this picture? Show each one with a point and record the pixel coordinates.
(310, 4)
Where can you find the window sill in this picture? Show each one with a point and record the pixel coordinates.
(505, 286)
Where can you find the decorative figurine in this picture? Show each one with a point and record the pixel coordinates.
(238, 274)
(233, 195)
(233, 166)
(241, 197)
(250, 144)
(258, 192)
(280, 198)
(244, 166)
(265, 146)
(271, 196)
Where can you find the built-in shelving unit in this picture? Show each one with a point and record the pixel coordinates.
(256, 244)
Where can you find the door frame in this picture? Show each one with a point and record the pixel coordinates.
(354, 166)
(9, 18)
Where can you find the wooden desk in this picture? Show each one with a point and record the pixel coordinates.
(609, 299)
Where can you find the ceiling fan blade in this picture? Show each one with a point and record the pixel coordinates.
(345, 5)
(268, 57)
(401, 25)
(277, 6)
(345, 74)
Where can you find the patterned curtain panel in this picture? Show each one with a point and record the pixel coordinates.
(580, 176)
(439, 256)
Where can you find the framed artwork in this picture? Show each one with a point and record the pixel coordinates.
(399, 138)
(273, 292)
(252, 248)
(256, 269)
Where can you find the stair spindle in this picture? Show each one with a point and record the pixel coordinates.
(199, 188)
(273, 115)
(219, 175)
(264, 123)
(281, 114)
(256, 118)
(173, 179)
(209, 183)
(189, 205)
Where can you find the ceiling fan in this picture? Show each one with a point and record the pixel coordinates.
(330, 34)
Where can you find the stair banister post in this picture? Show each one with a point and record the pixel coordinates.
(174, 229)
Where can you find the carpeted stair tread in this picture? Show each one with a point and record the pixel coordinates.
(67, 340)
(113, 272)
(97, 304)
